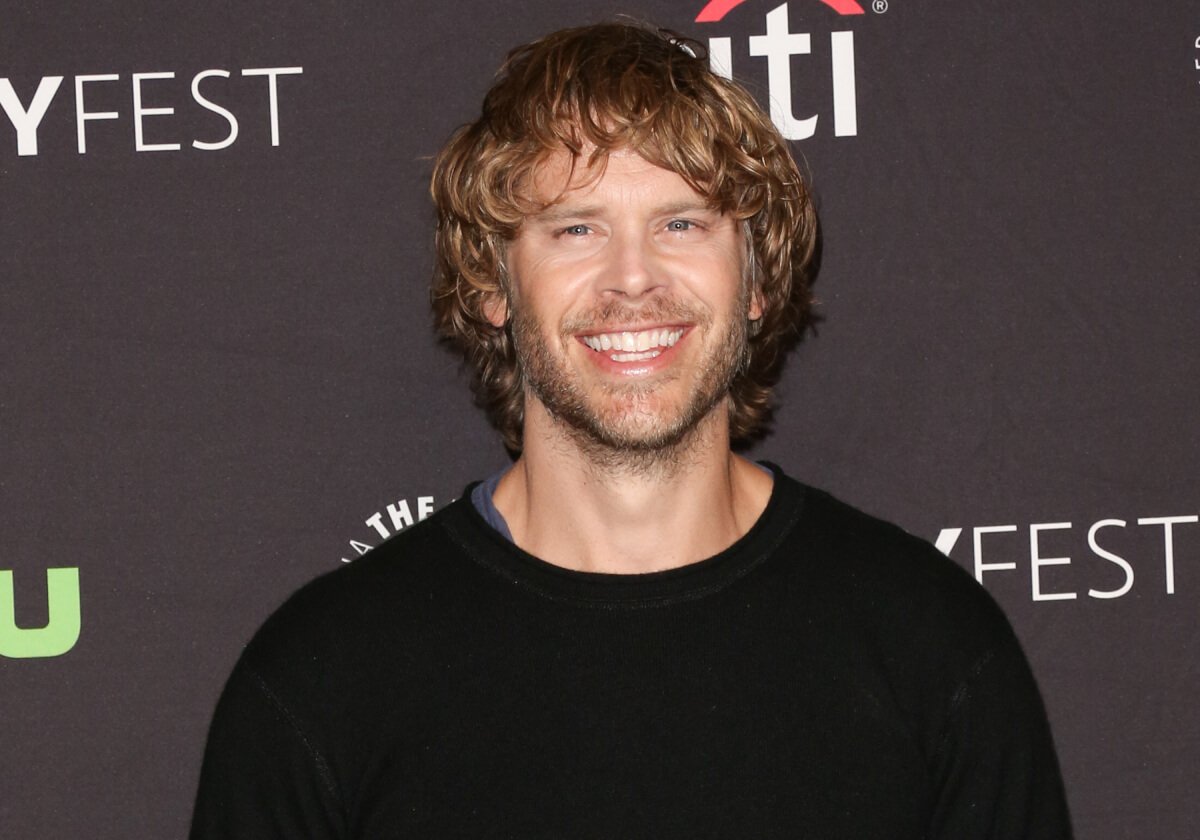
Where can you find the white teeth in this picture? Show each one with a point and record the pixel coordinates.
(634, 342)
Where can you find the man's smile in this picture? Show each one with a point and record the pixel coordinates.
(634, 345)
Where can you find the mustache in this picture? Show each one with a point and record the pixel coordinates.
(617, 313)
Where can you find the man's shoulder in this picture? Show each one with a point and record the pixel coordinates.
(885, 600)
(830, 524)
(381, 593)
(875, 567)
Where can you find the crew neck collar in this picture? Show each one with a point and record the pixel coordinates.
(490, 549)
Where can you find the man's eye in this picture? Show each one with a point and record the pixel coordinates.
(577, 230)
(680, 225)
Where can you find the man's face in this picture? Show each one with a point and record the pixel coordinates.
(630, 307)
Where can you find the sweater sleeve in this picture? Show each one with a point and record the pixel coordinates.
(994, 766)
(263, 776)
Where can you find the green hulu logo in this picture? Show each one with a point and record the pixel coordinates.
(62, 627)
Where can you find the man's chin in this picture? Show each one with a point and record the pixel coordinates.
(643, 430)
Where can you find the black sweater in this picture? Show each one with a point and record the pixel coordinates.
(827, 676)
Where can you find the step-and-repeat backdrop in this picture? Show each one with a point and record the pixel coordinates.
(218, 377)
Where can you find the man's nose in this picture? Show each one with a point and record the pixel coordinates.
(634, 267)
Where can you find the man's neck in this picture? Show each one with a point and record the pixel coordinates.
(569, 506)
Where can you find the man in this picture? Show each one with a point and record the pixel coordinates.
(632, 632)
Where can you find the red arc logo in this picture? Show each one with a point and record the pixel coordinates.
(714, 10)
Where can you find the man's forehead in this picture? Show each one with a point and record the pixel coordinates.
(561, 177)
(561, 168)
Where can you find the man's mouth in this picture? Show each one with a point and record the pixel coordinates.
(633, 346)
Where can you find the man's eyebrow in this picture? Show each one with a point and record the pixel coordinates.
(685, 207)
(564, 212)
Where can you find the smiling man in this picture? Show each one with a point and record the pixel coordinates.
(630, 304)
(631, 631)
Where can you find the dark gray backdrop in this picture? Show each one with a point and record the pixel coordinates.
(217, 370)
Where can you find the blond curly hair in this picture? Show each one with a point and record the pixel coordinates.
(602, 88)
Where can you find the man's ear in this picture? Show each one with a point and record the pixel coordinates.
(756, 306)
(495, 309)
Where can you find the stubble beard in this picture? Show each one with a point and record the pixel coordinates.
(628, 427)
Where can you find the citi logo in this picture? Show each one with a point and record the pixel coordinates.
(61, 630)
(717, 9)
(779, 45)
(26, 113)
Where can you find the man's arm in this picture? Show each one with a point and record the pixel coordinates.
(994, 766)
(263, 776)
